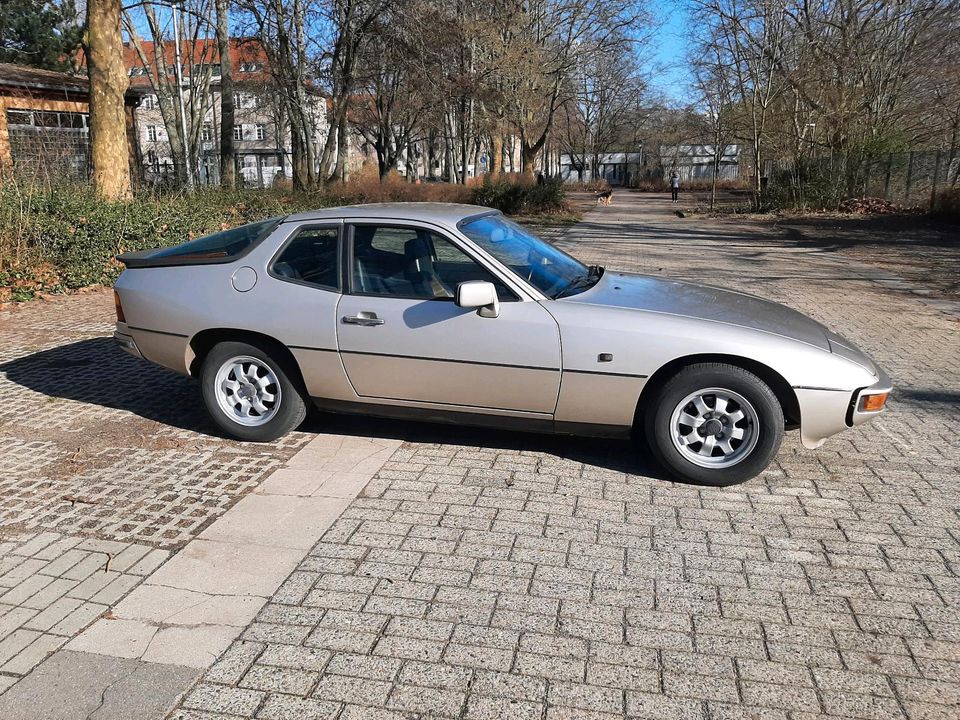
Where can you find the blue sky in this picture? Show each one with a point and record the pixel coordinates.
(668, 49)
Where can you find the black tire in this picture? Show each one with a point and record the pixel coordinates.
(288, 414)
(658, 423)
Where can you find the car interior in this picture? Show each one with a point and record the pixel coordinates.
(412, 262)
(387, 260)
(311, 257)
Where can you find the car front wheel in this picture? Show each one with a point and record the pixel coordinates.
(714, 424)
(249, 393)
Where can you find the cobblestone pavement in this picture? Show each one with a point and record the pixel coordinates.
(487, 575)
(106, 465)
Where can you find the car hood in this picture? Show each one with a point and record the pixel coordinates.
(653, 294)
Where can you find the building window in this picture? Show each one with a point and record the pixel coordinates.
(149, 102)
(248, 67)
(201, 68)
(152, 133)
(206, 134)
(261, 132)
(238, 132)
(244, 100)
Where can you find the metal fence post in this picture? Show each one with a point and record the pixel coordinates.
(906, 193)
(886, 179)
(936, 177)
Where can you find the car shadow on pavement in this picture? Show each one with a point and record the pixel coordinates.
(95, 371)
(608, 454)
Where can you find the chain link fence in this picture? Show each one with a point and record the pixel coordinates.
(918, 179)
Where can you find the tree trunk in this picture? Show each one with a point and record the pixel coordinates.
(109, 152)
(228, 161)
(496, 155)
(528, 157)
(340, 171)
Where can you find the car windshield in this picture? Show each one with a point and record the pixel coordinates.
(550, 270)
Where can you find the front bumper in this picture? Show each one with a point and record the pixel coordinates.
(127, 343)
(824, 413)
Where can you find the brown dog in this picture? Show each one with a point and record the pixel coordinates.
(605, 197)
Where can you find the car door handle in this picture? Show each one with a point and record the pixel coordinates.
(364, 318)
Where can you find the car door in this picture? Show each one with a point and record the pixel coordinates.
(402, 336)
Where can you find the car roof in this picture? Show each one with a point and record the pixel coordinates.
(436, 212)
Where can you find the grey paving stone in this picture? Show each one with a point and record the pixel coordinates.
(487, 658)
(292, 656)
(286, 707)
(220, 699)
(484, 708)
(428, 701)
(359, 691)
(277, 679)
(363, 666)
(436, 675)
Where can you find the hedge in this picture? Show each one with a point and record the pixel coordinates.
(64, 238)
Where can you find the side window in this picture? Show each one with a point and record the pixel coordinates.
(311, 257)
(413, 263)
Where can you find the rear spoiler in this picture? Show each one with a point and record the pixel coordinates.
(145, 259)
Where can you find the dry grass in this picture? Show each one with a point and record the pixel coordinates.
(367, 188)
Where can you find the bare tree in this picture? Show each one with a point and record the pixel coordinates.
(392, 96)
(715, 89)
(194, 97)
(109, 152)
(749, 37)
(284, 27)
(598, 117)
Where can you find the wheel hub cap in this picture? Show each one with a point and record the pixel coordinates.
(248, 391)
(714, 427)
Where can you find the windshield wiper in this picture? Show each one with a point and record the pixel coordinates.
(594, 272)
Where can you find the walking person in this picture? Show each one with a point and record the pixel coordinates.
(675, 187)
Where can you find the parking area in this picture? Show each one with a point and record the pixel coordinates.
(482, 574)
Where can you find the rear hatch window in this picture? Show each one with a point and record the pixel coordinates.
(220, 247)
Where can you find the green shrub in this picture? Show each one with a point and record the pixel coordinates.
(65, 238)
(514, 195)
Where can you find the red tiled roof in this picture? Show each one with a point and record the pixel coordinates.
(243, 51)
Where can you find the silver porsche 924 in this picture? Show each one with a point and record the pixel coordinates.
(454, 313)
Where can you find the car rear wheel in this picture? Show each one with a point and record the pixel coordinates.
(249, 393)
(714, 424)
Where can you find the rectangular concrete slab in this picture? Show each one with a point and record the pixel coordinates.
(282, 521)
(160, 604)
(85, 686)
(227, 568)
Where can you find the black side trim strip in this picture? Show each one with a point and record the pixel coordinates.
(808, 387)
(450, 360)
(451, 416)
(315, 349)
(600, 372)
(156, 332)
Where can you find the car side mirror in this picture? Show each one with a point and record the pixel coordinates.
(479, 294)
